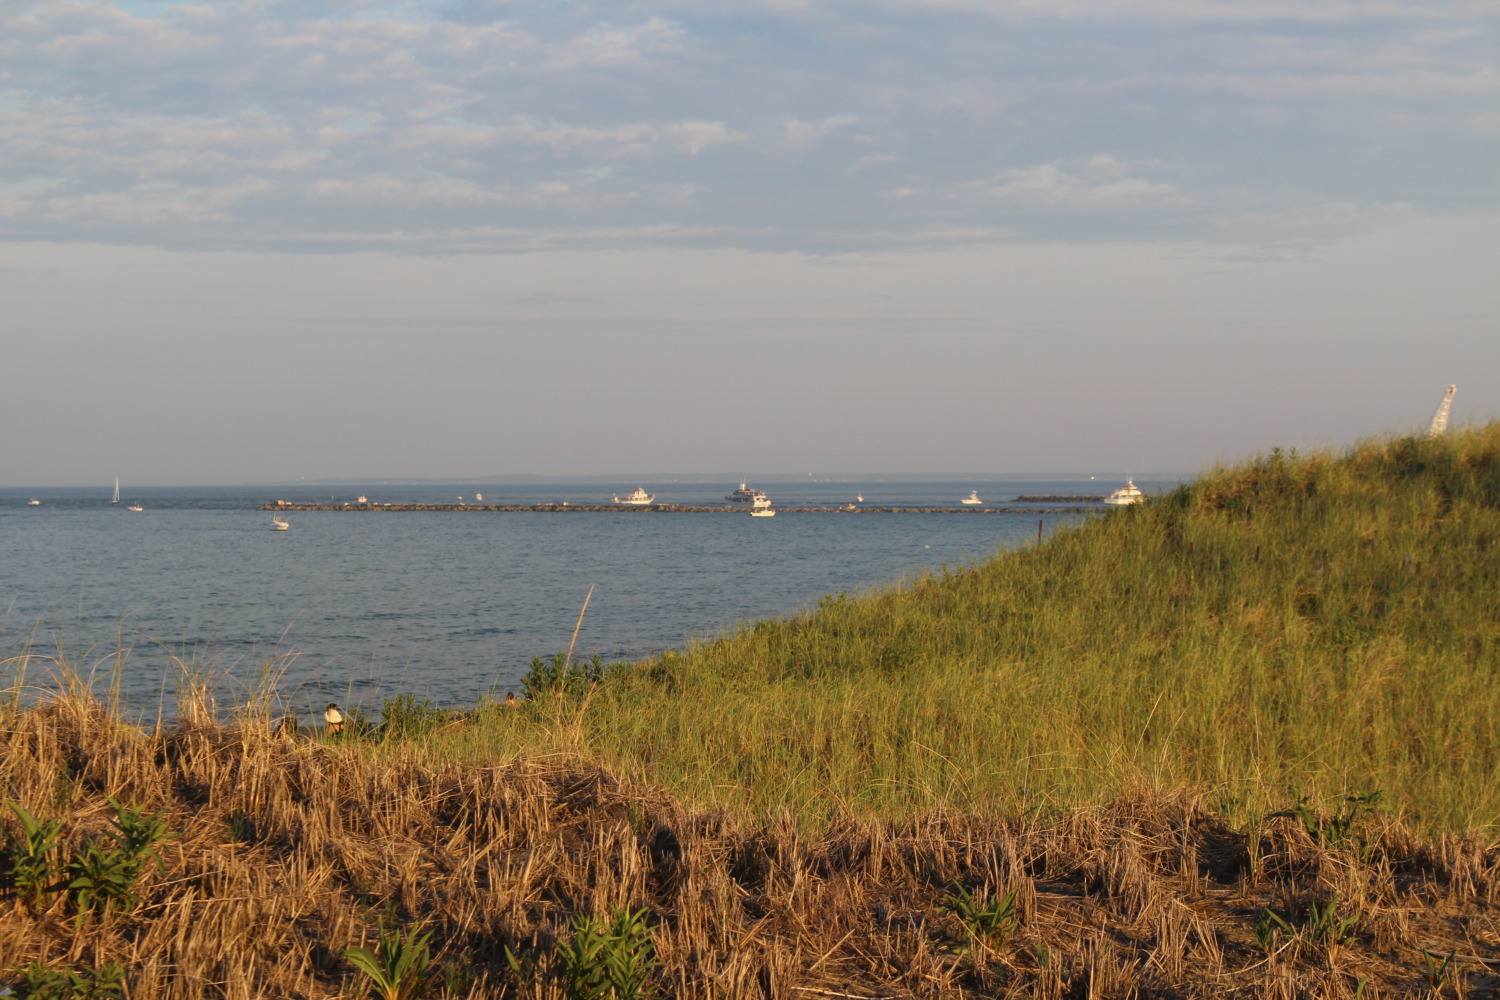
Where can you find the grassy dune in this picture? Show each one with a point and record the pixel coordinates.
(1139, 760)
(1297, 626)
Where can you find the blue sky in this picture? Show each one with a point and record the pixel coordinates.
(249, 241)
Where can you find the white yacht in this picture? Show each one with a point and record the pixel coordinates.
(135, 506)
(763, 512)
(972, 498)
(33, 503)
(278, 523)
(1126, 494)
(638, 498)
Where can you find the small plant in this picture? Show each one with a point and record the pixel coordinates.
(1270, 925)
(1339, 831)
(41, 983)
(398, 965)
(30, 861)
(988, 921)
(1319, 923)
(103, 874)
(1438, 973)
(1324, 925)
(608, 959)
(240, 826)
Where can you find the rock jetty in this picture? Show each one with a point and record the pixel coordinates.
(655, 508)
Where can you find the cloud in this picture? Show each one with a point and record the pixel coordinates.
(781, 124)
(1101, 184)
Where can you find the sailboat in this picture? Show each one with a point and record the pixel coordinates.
(116, 499)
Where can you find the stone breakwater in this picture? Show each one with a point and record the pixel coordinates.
(655, 508)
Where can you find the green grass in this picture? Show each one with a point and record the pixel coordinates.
(1297, 625)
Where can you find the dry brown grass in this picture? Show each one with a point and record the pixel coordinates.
(1149, 896)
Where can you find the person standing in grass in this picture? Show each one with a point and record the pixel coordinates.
(334, 718)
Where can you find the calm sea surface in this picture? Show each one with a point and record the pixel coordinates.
(451, 606)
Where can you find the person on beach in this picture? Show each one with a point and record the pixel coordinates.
(334, 718)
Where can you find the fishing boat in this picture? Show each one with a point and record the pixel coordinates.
(33, 503)
(116, 498)
(135, 506)
(278, 523)
(1126, 494)
(638, 498)
(744, 494)
(972, 498)
(762, 512)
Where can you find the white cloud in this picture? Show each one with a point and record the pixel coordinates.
(1050, 185)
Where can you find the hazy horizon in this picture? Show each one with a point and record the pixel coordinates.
(515, 479)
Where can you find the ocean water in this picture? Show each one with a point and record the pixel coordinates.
(354, 606)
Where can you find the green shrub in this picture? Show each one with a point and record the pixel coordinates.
(103, 874)
(30, 861)
(558, 675)
(38, 982)
(608, 959)
(398, 965)
(405, 718)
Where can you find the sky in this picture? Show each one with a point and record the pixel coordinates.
(254, 241)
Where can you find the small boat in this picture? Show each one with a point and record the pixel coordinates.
(278, 523)
(363, 500)
(972, 498)
(859, 498)
(116, 498)
(762, 512)
(479, 497)
(1126, 494)
(135, 506)
(639, 498)
(849, 506)
(33, 503)
(743, 495)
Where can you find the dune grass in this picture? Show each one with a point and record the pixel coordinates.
(1299, 625)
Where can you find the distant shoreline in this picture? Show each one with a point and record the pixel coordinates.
(656, 508)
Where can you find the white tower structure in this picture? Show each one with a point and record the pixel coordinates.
(1440, 417)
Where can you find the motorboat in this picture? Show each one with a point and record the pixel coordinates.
(363, 500)
(760, 500)
(972, 498)
(135, 506)
(762, 512)
(859, 498)
(479, 497)
(1126, 494)
(278, 523)
(33, 503)
(744, 495)
(849, 506)
(638, 498)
